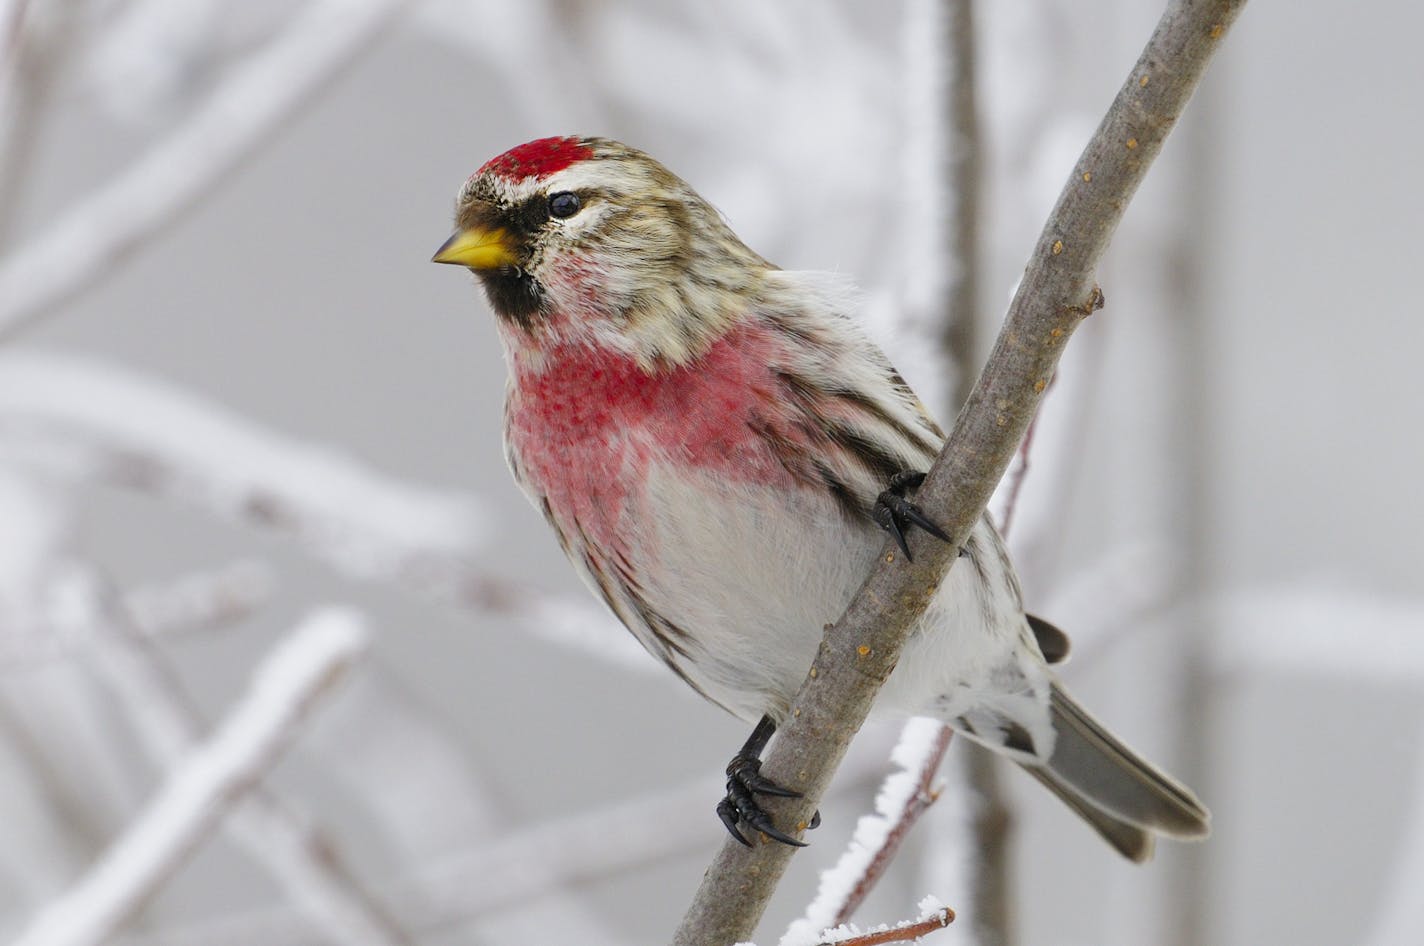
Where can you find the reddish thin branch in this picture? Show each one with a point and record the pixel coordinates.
(925, 795)
(900, 934)
(1020, 472)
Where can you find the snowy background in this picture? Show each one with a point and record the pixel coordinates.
(284, 657)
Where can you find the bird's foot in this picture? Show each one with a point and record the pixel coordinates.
(744, 783)
(895, 513)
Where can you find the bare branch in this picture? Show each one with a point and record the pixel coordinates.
(197, 794)
(235, 121)
(1056, 294)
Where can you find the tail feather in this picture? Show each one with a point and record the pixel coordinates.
(1129, 840)
(1090, 763)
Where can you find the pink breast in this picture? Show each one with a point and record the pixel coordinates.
(588, 426)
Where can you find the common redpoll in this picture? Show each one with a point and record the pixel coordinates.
(718, 448)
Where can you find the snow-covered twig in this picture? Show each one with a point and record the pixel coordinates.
(168, 723)
(933, 916)
(904, 795)
(206, 784)
(902, 933)
(233, 123)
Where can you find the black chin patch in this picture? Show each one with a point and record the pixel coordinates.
(514, 295)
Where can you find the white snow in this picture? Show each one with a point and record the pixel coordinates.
(911, 752)
(205, 784)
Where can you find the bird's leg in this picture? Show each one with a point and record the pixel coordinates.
(745, 781)
(896, 514)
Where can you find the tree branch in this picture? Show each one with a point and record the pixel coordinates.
(907, 933)
(233, 123)
(1056, 294)
(199, 791)
(299, 854)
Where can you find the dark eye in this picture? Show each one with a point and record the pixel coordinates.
(563, 204)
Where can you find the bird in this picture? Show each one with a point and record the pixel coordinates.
(720, 450)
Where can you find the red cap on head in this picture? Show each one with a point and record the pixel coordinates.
(537, 158)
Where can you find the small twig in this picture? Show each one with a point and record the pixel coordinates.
(918, 802)
(905, 794)
(860, 650)
(298, 853)
(900, 934)
(915, 806)
(204, 787)
(1020, 471)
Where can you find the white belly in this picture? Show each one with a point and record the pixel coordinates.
(755, 575)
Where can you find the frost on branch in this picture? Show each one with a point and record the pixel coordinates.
(903, 797)
(205, 784)
(91, 421)
(185, 166)
(933, 916)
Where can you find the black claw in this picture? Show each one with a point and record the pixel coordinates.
(815, 821)
(728, 813)
(894, 513)
(916, 515)
(885, 518)
(753, 780)
(745, 782)
(762, 822)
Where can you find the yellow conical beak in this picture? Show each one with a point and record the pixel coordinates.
(478, 249)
